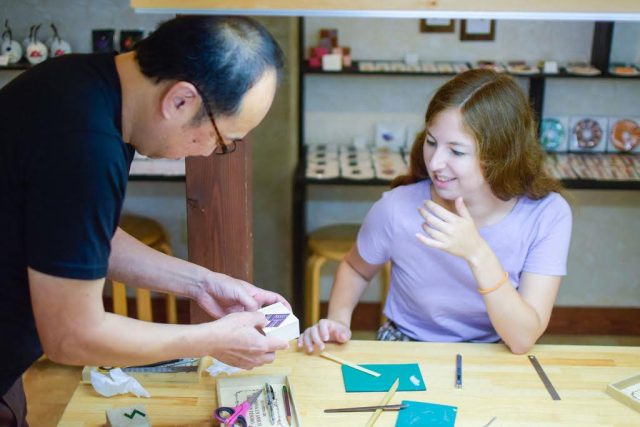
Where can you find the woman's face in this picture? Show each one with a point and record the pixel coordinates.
(451, 157)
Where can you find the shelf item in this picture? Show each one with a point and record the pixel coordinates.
(594, 167)
(582, 69)
(553, 134)
(352, 163)
(391, 136)
(522, 68)
(588, 134)
(323, 171)
(624, 135)
(491, 65)
(429, 67)
(624, 70)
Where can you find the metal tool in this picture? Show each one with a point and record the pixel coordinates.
(188, 364)
(396, 407)
(545, 380)
(458, 371)
(271, 397)
(490, 422)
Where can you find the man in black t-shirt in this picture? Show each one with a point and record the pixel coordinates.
(68, 131)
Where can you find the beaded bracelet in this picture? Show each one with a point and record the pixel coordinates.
(502, 281)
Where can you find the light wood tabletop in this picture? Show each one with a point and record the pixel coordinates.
(496, 383)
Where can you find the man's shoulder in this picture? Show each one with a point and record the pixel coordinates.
(77, 92)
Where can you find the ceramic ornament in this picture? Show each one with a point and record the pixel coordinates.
(36, 50)
(27, 40)
(10, 47)
(58, 46)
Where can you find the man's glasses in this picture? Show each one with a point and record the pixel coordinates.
(223, 147)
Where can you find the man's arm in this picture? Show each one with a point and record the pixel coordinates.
(74, 329)
(138, 265)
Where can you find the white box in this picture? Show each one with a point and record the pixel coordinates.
(280, 322)
(332, 62)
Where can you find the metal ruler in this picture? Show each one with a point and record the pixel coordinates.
(169, 367)
(545, 380)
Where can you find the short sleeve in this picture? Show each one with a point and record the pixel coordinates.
(74, 194)
(376, 233)
(549, 251)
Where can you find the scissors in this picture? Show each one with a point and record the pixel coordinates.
(236, 416)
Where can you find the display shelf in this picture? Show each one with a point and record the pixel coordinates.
(21, 65)
(600, 58)
(354, 70)
(569, 183)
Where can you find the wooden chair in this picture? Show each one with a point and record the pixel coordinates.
(332, 242)
(151, 233)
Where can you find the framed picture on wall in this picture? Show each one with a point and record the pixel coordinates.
(437, 25)
(477, 29)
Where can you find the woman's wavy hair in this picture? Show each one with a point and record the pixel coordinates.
(495, 111)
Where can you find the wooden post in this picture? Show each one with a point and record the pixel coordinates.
(219, 220)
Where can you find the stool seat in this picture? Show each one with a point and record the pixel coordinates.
(332, 242)
(146, 230)
(152, 234)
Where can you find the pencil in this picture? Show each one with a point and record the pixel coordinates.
(287, 405)
(349, 364)
(385, 401)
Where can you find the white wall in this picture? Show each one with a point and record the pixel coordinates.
(603, 267)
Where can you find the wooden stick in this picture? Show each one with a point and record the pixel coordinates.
(385, 400)
(349, 364)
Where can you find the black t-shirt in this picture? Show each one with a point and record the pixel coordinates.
(63, 176)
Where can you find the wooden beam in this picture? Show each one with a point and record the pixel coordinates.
(496, 9)
(219, 220)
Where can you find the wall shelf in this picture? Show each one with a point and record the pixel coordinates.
(600, 54)
(353, 70)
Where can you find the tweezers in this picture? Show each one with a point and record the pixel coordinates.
(396, 407)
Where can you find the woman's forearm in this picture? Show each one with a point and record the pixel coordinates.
(515, 320)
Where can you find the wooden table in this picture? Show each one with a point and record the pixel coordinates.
(495, 383)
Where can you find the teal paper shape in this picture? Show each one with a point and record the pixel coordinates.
(357, 381)
(422, 414)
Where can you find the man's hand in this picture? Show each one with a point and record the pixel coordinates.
(220, 295)
(238, 342)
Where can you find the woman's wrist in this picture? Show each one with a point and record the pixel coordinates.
(480, 257)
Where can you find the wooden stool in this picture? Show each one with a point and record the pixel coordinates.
(151, 233)
(332, 242)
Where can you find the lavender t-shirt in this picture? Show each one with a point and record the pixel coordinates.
(433, 295)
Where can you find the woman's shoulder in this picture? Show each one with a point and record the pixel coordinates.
(551, 208)
(417, 191)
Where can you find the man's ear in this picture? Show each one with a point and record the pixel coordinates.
(179, 99)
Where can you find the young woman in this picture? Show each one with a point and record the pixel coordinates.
(477, 232)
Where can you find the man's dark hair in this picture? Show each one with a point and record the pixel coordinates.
(222, 56)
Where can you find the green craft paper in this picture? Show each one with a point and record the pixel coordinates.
(357, 381)
(422, 414)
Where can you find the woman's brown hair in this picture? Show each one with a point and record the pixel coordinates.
(497, 114)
